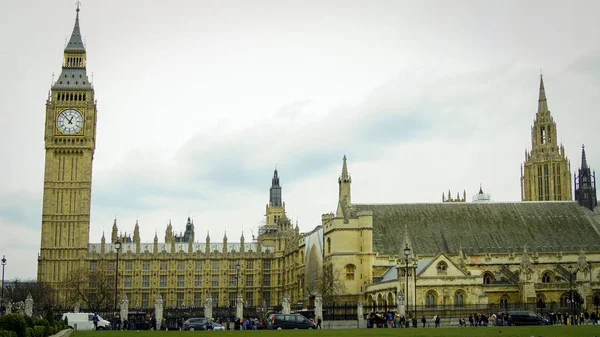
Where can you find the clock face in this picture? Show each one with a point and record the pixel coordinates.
(69, 121)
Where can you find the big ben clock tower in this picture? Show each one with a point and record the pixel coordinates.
(70, 140)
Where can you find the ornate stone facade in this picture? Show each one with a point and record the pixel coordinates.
(546, 173)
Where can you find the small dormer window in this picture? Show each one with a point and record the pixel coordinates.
(442, 267)
(547, 277)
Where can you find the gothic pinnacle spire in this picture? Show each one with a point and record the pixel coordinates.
(75, 44)
(584, 164)
(345, 169)
(542, 102)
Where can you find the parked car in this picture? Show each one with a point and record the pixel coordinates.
(289, 321)
(526, 318)
(197, 323)
(84, 321)
(217, 327)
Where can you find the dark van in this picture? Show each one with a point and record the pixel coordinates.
(526, 318)
(289, 321)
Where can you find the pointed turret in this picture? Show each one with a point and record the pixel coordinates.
(207, 248)
(155, 247)
(75, 44)
(169, 232)
(344, 182)
(526, 267)
(585, 184)
(242, 240)
(103, 244)
(136, 232)
(584, 164)
(275, 191)
(73, 75)
(542, 102)
(225, 243)
(115, 232)
(546, 174)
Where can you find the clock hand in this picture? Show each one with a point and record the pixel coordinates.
(71, 120)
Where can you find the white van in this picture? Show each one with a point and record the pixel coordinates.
(83, 321)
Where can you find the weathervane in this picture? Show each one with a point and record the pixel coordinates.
(78, 3)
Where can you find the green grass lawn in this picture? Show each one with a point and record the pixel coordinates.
(545, 331)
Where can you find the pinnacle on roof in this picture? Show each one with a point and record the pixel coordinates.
(75, 44)
(275, 180)
(480, 189)
(345, 169)
(584, 164)
(542, 102)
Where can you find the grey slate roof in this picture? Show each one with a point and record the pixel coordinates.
(75, 44)
(72, 79)
(484, 227)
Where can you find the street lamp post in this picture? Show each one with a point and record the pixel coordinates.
(406, 255)
(117, 247)
(3, 264)
(571, 291)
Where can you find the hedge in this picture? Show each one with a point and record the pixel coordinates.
(4, 333)
(13, 322)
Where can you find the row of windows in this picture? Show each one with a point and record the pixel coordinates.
(62, 96)
(181, 265)
(163, 280)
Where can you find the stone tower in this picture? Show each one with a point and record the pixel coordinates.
(69, 140)
(546, 173)
(585, 184)
(276, 208)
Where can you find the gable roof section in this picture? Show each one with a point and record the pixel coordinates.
(483, 227)
(434, 261)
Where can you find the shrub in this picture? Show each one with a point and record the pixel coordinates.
(39, 331)
(50, 316)
(28, 322)
(4, 333)
(13, 322)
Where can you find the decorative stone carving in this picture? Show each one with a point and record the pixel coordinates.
(158, 311)
(124, 307)
(239, 310)
(208, 306)
(29, 305)
(286, 304)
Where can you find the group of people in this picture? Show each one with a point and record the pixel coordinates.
(394, 320)
(554, 318)
(478, 319)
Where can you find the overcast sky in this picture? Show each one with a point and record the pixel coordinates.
(198, 102)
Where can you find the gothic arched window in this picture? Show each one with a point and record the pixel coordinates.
(459, 298)
(488, 278)
(328, 245)
(430, 299)
(504, 302)
(547, 277)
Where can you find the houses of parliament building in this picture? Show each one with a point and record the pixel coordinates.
(429, 254)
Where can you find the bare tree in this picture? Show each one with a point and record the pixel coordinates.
(42, 293)
(93, 288)
(327, 282)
